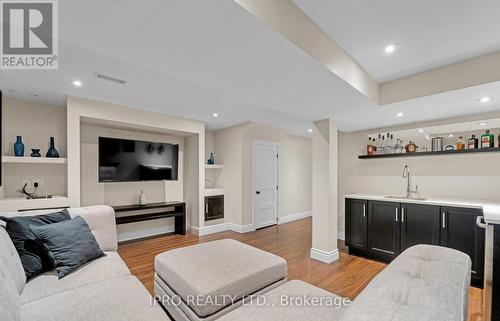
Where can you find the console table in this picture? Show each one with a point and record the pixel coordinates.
(154, 211)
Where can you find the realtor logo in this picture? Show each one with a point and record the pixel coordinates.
(29, 35)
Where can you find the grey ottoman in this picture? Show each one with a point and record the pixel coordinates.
(206, 281)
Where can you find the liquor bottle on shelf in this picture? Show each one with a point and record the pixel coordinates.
(369, 147)
(487, 140)
(382, 145)
(389, 148)
(460, 143)
(375, 149)
(473, 142)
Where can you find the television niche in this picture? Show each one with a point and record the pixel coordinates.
(123, 160)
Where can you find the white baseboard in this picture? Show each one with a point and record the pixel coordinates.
(206, 230)
(326, 257)
(294, 217)
(341, 235)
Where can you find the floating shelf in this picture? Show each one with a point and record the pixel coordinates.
(33, 160)
(445, 152)
(214, 191)
(214, 166)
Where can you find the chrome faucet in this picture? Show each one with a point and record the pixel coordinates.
(406, 174)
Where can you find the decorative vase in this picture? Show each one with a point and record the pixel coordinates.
(19, 147)
(52, 152)
(35, 152)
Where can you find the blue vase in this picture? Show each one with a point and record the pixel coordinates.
(52, 152)
(19, 147)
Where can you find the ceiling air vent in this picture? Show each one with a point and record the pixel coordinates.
(111, 79)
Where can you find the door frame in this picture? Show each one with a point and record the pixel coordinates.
(276, 194)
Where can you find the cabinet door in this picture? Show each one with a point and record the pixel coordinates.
(419, 225)
(355, 224)
(383, 230)
(460, 232)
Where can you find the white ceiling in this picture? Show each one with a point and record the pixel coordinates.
(192, 58)
(430, 33)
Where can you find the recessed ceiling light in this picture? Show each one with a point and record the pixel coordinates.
(420, 130)
(77, 83)
(482, 124)
(450, 135)
(310, 130)
(215, 115)
(485, 100)
(400, 114)
(391, 48)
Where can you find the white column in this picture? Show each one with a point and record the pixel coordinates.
(324, 197)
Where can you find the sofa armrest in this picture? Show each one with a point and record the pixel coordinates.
(101, 220)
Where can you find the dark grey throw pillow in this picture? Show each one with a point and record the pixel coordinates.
(70, 244)
(33, 254)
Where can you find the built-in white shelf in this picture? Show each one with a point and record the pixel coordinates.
(215, 191)
(214, 166)
(12, 204)
(33, 160)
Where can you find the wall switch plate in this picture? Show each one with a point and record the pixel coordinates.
(41, 182)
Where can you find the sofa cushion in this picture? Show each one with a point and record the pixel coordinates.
(214, 271)
(102, 222)
(104, 268)
(70, 243)
(9, 296)
(9, 258)
(424, 283)
(33, 255)
(118, 299)
(288, 302)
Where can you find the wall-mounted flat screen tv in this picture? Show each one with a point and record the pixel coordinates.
(124, 160)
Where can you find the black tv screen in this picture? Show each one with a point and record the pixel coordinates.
(123, 160)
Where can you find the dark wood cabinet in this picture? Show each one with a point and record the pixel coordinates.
(460, 232)
(383, 230)
(356, 223)
(419, 225)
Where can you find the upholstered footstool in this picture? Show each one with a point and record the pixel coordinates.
(206, 281)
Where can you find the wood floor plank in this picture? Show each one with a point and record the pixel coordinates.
(346, 277)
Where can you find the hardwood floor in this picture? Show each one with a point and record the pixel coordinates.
(346, 277)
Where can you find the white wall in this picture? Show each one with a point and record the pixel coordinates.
(122, 193)
(233, 147)
(468, 176)
(36, 123)
(79, 110)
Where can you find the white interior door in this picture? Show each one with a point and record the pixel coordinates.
(265, 184)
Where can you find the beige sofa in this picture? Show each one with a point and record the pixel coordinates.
(103, 289)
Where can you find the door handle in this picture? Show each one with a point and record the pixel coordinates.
(364, 210)
(402, 215)
(397, 214)
(443, 224)
(257, 192)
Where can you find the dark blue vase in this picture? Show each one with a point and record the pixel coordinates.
(19, 147)
(35, 152)
(52, 152)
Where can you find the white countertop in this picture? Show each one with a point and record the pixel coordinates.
(491, 209)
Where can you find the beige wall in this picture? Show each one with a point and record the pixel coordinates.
(233, 148)
(468, 176)
(35, 122)
(191, 179)
(79, 110)
(94, 193)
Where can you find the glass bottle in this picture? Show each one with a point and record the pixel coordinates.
(487, 140)
(369, 147)
(473, 142)
(382, 145)
(460, 143)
